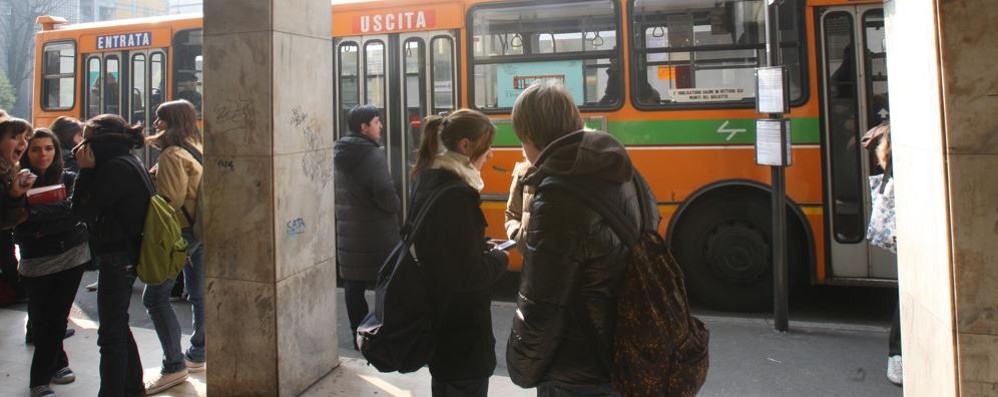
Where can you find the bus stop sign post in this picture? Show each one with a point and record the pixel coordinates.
(772, 148)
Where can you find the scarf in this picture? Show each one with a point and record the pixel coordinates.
(461, 165)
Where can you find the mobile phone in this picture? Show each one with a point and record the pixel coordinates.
(506, 245)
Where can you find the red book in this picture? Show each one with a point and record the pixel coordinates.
(47, 194)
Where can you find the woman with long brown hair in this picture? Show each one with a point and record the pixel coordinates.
(452, 245)
(178, 177)
(54, 248)
(13, 143)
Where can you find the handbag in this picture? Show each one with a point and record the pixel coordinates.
(881, 232)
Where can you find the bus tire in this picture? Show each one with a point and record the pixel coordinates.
(722, 239)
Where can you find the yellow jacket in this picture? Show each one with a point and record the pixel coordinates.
(178, 178)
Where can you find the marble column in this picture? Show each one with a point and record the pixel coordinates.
(270, 258)
(943, 95)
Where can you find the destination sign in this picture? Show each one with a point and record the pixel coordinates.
(126, 40)
(395, 21)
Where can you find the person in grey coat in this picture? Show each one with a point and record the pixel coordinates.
(366, 208)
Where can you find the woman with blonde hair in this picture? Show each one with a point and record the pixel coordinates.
(452, 245)
(178, 177)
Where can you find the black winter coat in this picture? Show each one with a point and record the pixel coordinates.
(463, 269)
(366, 207)
(112, 199)
(50, 228)
(573, 264)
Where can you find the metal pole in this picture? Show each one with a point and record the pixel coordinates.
(780, 286)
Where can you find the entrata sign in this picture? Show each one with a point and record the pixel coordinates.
(395, 21)
(127, 40)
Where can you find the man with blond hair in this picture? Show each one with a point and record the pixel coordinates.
(573, 261)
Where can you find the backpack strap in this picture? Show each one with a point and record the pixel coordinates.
(200, 159)
(415, 221)
(194, 152)
(131, 160)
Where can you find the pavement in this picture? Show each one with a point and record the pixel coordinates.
(748, 358)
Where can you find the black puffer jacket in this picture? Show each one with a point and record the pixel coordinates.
(366, 207)
(50, 228)
(452, 246)
(573, 264)
(112, 199)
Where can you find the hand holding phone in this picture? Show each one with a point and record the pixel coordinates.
(506, 245)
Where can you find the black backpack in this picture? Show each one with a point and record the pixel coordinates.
(399, 334)
(659, 348)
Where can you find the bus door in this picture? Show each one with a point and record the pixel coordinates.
(129, 83)
(408, 76)
(851, 40)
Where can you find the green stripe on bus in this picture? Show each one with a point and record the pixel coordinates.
(684, 132)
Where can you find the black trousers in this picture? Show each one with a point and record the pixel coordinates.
(353, 295)
(894, 344)
(475, 387)
(8, 263)
(50, 299)
(120, 365)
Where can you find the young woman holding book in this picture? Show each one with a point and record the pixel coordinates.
(53, 245)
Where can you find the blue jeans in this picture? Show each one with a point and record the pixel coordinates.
(194, 281)
(156, 299)
(120, 366)
(558, 389)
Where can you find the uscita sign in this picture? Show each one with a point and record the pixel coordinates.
(394, 21)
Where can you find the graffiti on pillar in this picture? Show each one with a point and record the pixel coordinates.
(316, 163)
(295, 227)
(228, 165)
(235, 114)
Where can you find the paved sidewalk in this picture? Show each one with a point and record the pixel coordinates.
(747, 358)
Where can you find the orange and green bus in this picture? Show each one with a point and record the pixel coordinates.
(672, 79)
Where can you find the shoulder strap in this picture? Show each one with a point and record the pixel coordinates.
(194, 152)
(415, 221)
(141, 170)
(622, 226)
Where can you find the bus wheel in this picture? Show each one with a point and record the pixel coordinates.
(723, 242)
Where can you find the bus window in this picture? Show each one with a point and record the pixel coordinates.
(349, 86)
(93, 87)
(138, 91)
(187, 67)
(515, 45)
(706, 51)
(414, 70)
(374, 70)
(442, 74)
(157, 79)
(112, 88)
(875, 60)
(59, 76)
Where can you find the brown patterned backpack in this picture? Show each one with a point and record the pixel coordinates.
(659, 348)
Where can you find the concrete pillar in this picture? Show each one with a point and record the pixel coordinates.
(943, 94)
(271, 281)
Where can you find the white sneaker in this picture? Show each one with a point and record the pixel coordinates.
(194, 366)
(166, 381)
(894, 369)
(92, 287)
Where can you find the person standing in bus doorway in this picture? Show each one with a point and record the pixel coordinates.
(178, 178)
(574, 262)
(367, 209)
(878, 140)
(112, 197)
(461, 265)
(187, 89)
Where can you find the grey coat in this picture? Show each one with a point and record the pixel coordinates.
(366, 207)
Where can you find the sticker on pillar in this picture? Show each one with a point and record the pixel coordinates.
(295, 227)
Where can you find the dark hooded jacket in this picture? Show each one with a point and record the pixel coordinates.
(452, 246)
(573, 263)
(112, 198)
(51, 228)
(366, 207)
